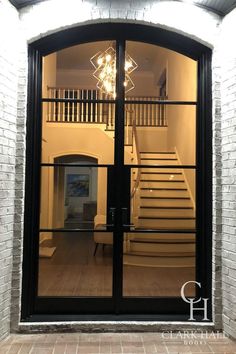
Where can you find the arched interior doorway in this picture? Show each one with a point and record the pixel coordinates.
(138, 99)
(74, 192)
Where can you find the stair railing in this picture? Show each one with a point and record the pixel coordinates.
(137, 152)
(74, 105)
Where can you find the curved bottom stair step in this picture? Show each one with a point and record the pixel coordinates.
(171, 223)
(134, 259)
(166, 212)
(162, 249)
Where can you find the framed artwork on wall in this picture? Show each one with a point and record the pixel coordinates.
(77, 185)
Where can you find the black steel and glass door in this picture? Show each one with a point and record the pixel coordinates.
(117, 177)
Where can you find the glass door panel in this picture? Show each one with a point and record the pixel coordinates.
(73, 194)
(158, 73)
(78, 111)
(69, 265)
(159, 249)
(75, 238)
(75, 247)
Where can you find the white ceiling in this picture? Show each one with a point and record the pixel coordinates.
(78, 57)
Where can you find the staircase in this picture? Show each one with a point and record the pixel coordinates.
(164, 204)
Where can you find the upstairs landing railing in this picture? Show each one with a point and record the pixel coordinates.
(90, 111)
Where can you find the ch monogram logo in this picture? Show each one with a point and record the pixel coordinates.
(192, 302)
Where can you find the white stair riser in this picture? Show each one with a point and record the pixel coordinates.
(161, 236)
(163, 193)
(158, 247)
(158, 156)
(166, 212)
(166, 202)
(164, 262)
(160, 176)
(166, 223)
(158, 184)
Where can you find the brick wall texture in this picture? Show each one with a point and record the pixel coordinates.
(228, 187)
(36, 21)
(8, 112)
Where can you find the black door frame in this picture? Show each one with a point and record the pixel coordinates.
(31, 308)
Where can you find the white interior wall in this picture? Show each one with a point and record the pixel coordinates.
(48, 80)
(49, 77)
(182, 86)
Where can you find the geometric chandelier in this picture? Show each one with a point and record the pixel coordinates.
(105, 71)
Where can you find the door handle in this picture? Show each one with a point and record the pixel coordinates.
(125, 221)
(112, 213)
(124, 215)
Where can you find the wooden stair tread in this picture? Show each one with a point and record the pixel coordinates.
(159, 158)
(168, 230)
(160, 254)
(148, 197)
(157, 152)
(163, 240)
(176, 217)
(166, 207)
(163, 189)
(168, 217)
(161, 173)
(162, 180)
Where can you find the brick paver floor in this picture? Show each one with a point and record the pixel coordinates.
(99, 343)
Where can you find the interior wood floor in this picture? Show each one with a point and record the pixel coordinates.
(73, 270)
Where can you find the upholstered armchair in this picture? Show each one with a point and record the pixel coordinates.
(103, 238)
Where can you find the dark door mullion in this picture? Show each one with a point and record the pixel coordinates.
(119, 167)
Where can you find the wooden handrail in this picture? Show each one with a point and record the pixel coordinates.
(135, 142)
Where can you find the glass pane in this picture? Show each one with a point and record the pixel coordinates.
(158, 264)
(163, 198)
(85, 72)
(69, 266)
(152, 138)
(73, 197)
(159, 73)
(161, 261)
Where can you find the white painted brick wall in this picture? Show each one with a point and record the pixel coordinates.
(216, 189)
(37, 21)
(8, 110)
(19, 183)
(227, 57)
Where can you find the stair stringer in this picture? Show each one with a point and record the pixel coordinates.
(185, 179)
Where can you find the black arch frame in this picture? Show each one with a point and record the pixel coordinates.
(119, 32)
